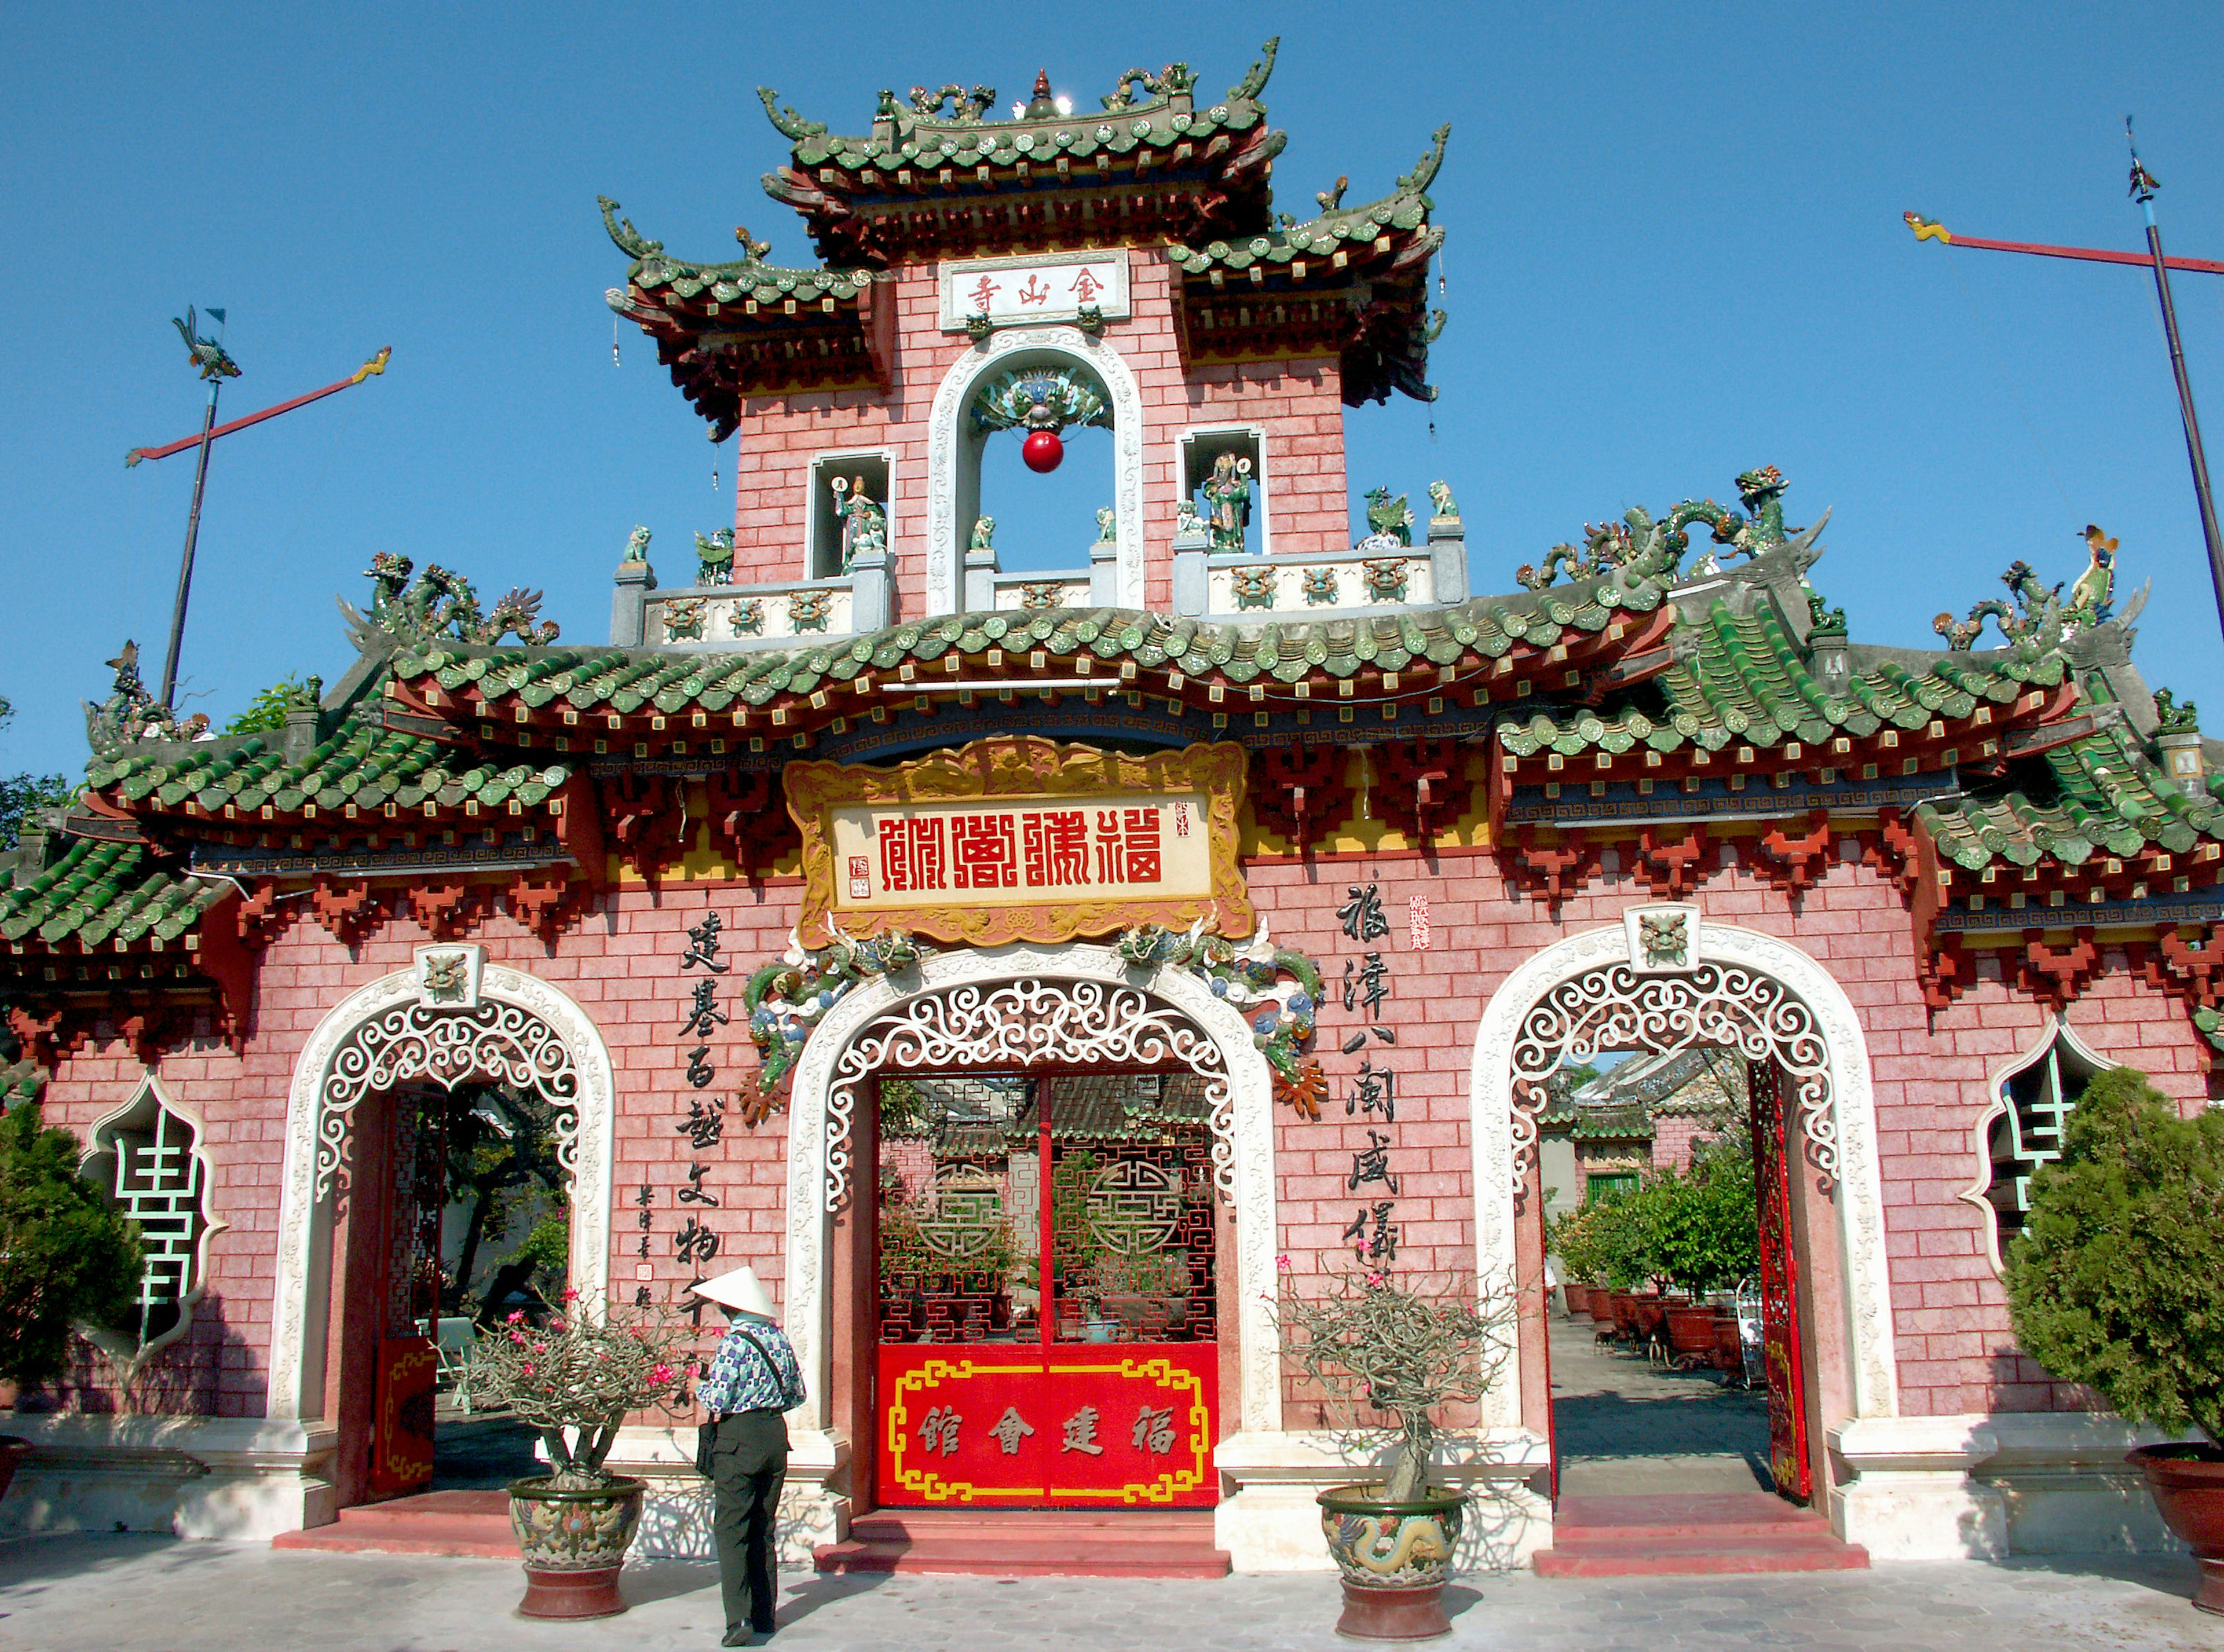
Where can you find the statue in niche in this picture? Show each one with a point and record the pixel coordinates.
(984, 533)
(1228, 502)
(864, 523)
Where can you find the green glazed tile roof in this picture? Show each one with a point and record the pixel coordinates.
(361, 761)
(1746, 681)
(1350, 230)
(617, 680)
(101, 893)
(2099, 795)
(654, 272)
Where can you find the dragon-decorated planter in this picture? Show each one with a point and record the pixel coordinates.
(2188, 1484)
(1394, 1558)
(573, 1543)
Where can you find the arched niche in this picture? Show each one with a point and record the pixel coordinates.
(954, 454)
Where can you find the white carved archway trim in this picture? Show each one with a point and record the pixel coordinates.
(948, 461)
(523, 1030)
(816, 1131)
(1857, 1190)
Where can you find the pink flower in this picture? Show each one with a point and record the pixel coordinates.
(540, 1347)
(526, 1369)
(571, 1296)
(516, 1317)
(1282, 1264)
(659, 1376)
(1376, 1279)
(518, 1337)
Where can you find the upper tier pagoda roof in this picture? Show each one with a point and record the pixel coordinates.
(937, 177)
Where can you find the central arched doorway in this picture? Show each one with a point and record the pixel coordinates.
(1025, 1080)
(1665, 981)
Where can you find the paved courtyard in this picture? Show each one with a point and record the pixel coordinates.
(1625, 1426)
(95, 1594)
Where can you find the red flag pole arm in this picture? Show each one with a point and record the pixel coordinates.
(377, 364)
(1926, 230)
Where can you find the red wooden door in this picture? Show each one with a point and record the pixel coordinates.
(1047, 1307)
(1779, 1287)
(402, 1434)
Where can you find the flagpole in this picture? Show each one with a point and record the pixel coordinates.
(2143, 191)
(193, 533)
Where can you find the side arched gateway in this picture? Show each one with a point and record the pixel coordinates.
(451, 1019)
(1765, 998)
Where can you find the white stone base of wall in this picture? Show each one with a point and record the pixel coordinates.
(239, 1478)
(1269, 1521)
(1985, 1486)
(675, 1521)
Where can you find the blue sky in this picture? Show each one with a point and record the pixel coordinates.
(1675, 252)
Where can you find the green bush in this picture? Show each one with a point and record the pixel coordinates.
(1696, 1233)
(68, 1257)
(2114, 1281)
(266, 712)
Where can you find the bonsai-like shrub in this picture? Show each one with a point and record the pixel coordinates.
(580, 1374)
(1409, 1352)
(68, 1257)
(2114, 1280)
(1575, 1237)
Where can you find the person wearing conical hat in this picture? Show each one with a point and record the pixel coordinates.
(743, 1447)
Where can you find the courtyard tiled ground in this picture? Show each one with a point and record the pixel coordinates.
(94, 1594)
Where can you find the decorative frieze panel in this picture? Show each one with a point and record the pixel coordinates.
(1008, 292)
(1021, 839)
(748, 613)
(1302, 586)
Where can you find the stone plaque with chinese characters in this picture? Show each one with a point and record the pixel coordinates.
(1014, 291)
(1021, 839)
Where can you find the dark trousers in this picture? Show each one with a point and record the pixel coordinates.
(748, 1464)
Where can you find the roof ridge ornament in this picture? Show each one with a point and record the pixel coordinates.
(967, 107)
(441, 607)
(786, 121)
(627, 240)
(1417, 181)
(1248, 88)
(1175, 80)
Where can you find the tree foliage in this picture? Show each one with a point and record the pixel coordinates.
(1696, 1233)
(267, 711)
(67, 1255)
(2114, 1280)
(22, 794)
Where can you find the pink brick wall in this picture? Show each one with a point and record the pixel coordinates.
(622, 963)
(1298, 403)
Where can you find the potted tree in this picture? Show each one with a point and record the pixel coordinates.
(1707, 1235)
(67, 1258)
(1408, 1353)
(2113, 1283)
(575, 1378)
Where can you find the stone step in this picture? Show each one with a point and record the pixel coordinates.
(470, 1524)
(1691, 1535)
(1028, 1543)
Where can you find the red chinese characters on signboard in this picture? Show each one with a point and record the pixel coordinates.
(1034, 848)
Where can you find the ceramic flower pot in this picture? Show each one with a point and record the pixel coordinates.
(1394, 1558)
(1602, 1307)
(573, 1541)
(1579, 1299)
(1729, 1350)
(2188, 1484)
(1690, 1329)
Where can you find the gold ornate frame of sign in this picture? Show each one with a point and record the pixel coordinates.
(1020, 838)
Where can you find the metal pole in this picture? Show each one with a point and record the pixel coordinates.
(194, 532)
(2142, 191)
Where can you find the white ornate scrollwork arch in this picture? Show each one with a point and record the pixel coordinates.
(1763, 997)
(950, 466)
(1017, 1007)
(521, 1031)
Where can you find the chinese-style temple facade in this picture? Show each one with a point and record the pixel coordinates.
(1030, 972)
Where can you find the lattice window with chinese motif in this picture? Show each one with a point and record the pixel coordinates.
(147, 1159)
(2034, 1103)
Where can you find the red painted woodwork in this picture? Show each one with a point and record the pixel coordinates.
(1779, 1290)
(1072, 1397)
(401, 1435)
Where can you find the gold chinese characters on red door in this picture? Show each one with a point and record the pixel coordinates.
(1021, 839)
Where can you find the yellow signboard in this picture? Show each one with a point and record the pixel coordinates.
(1021, 839)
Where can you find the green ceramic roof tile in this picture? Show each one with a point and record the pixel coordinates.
(2097, 795)
(1280, 650)
(361, 761)
(103, 893)
(1744, 678)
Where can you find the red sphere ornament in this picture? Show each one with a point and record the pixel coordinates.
(1043, 452)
